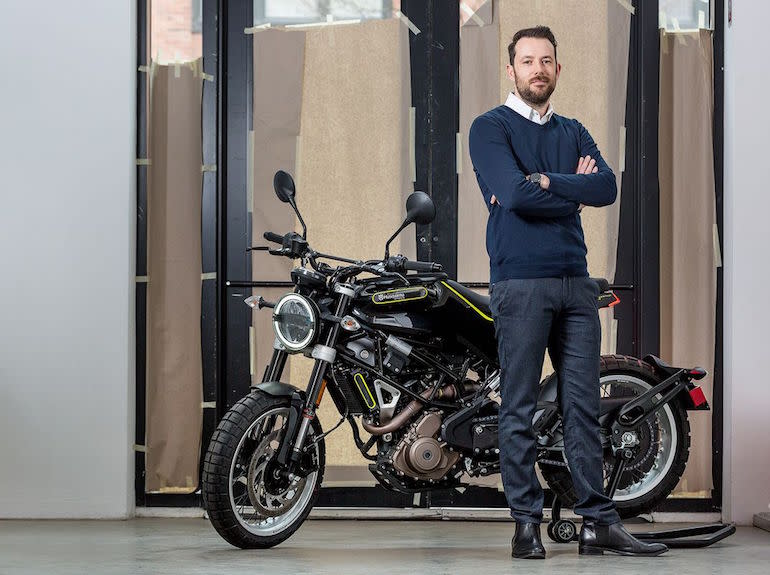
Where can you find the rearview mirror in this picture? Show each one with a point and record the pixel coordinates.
(420, 208)
(283, 184)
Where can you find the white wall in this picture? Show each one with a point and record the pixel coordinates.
(67, 212)
(747, 262)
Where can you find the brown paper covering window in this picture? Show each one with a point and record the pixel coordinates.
(331, 106)
(688, 275)
(174, 380)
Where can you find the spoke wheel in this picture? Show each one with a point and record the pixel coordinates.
(251, 500)
(661, 445)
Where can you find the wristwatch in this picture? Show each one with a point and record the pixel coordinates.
(535, 178)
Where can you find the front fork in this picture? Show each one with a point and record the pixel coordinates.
(293, 442)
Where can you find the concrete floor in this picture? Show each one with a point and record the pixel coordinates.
(191, 546)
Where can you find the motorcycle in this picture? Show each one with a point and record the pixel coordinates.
(410, 356)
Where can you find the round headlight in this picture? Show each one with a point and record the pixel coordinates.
(294, 321)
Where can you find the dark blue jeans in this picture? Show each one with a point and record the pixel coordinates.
(559, 314)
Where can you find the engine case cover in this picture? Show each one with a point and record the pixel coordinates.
(419, 454)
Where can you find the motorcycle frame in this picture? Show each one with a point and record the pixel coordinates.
(643, 406)
(305, 403)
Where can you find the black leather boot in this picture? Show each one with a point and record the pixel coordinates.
(526, 543)
(596, 539)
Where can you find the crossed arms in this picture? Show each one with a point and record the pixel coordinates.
(556, 195)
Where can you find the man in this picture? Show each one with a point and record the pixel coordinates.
(536, 171)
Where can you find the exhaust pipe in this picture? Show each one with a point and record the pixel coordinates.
(415, 407)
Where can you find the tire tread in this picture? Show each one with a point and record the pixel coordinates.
(216, 473)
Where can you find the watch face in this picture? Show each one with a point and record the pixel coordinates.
(535, 178)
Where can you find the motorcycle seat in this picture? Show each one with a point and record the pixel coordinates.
(603, 284)
(482, 301)
(476, 299)
(660, 365)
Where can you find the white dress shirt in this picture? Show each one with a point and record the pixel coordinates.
(518, 105)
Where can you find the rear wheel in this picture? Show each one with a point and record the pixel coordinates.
(662, 445)
(249, 501)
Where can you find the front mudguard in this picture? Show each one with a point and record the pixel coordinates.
(297, 405)
(278, 389)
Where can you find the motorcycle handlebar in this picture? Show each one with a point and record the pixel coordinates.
(422, 266)
(273, 237)
(400, 263)
(298, 248)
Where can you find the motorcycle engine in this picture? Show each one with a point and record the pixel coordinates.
(419, 454)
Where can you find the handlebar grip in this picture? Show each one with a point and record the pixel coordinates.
(273, 237)
(422, 266)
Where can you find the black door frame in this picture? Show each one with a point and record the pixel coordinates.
(142, 44)
(717, 416)
(637, 263)
(434, 57)
(435, 73)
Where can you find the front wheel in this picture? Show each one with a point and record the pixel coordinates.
(662, 445)
(249, 502)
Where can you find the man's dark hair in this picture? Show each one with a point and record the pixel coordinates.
(536, 32)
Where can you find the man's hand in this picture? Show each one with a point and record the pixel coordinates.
(586, 165)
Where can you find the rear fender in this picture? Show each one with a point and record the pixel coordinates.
(691, 397)
(548, 406)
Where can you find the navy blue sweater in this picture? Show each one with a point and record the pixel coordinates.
(536, 233)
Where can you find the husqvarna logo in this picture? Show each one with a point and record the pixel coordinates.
(400, 295)
(394, 296)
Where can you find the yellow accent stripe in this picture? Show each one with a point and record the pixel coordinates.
(458, 294)
(366, 387)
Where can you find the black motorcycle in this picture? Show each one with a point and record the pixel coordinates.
(412, 358)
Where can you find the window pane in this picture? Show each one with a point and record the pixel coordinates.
(359, 8)
(197, 15)
(278, 12)
(480, 11)
(176, 35)
(684, 14)
(291, 9)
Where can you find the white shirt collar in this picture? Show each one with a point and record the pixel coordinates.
(520, 106)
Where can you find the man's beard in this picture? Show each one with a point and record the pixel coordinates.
(531, 96)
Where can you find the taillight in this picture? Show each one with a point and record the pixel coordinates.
(697, 373)
(697, 396)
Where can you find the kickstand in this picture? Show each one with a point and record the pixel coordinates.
(564, 531)
(685, 537)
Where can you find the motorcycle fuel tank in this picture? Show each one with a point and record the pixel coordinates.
(430, 307)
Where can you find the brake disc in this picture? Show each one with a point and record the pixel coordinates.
(269, 494)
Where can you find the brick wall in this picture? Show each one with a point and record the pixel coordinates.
(172, 35)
